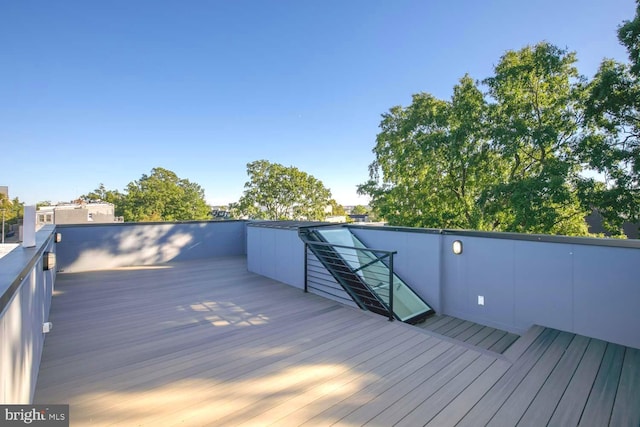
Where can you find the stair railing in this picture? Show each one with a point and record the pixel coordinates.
(379, 256)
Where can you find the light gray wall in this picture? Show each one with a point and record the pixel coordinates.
(606, 290)
(26, 290)
(95, 247)
(585, 289)
(585, 286)
(417, 261)
(589, 289)
(276, 253)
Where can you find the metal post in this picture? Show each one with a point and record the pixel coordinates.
(391, 287)
(3, 226)
(306, 285)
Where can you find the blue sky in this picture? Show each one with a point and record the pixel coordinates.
(101, 92)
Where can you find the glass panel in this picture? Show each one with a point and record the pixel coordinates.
(375, 273)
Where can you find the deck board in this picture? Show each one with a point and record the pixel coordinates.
(504, 343)
(394, 405)
(626, 409)
(338, 405)
(167, 361)
(480, 336)
(470, 332)
(541, 408)
(444, 329)
(600, 403)
(519, 347)
(386, 393)
(347, 352)
(208, 343)
(453, 333)
(451, 414)
(521, 397)
(276, 407)
(485, 337)
(491, 402)
(439, 398)
(571, 405)
(439, 322)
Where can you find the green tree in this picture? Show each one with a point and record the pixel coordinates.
(500, 161)
(101, 194)
(163, 196)
(13, 210)
(629, 36)
(16, 211)
(235, 212)
(611, 145)
(433, 161)
(336, 208)
(276, 192)
(536, 121)
(359, 210)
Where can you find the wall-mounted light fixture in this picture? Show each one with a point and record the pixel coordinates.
(457, 247)
(49, 261)
(58, 237)
(46, 327)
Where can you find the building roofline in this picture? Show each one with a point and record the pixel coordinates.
(125, 224)
(590, 241)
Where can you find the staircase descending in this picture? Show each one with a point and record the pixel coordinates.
(365, 274)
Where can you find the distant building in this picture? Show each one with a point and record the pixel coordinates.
(5, 191)
(336, 218)
(220, 214)
(74, 213)
(349, 208)
(594, 221)
(359, 217)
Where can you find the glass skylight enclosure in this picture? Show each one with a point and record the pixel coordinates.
(375, 273)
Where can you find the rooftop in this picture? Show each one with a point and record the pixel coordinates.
(63, 206)
(206, 342)
(208, 323)
(5, 248)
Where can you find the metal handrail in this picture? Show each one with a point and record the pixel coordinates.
(379, 258)
(371, 263)
(346, 247)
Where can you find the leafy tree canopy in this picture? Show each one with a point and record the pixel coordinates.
(359, 210)
(535, 122)
(160, 196)
(336, 208)
(163, 196)
(101, 194)
(611, 145)
(432, 159)
(277, 192)
(13, 209)
(496, 161)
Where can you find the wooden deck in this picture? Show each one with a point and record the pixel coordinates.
(207, 343)
(472, 333)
